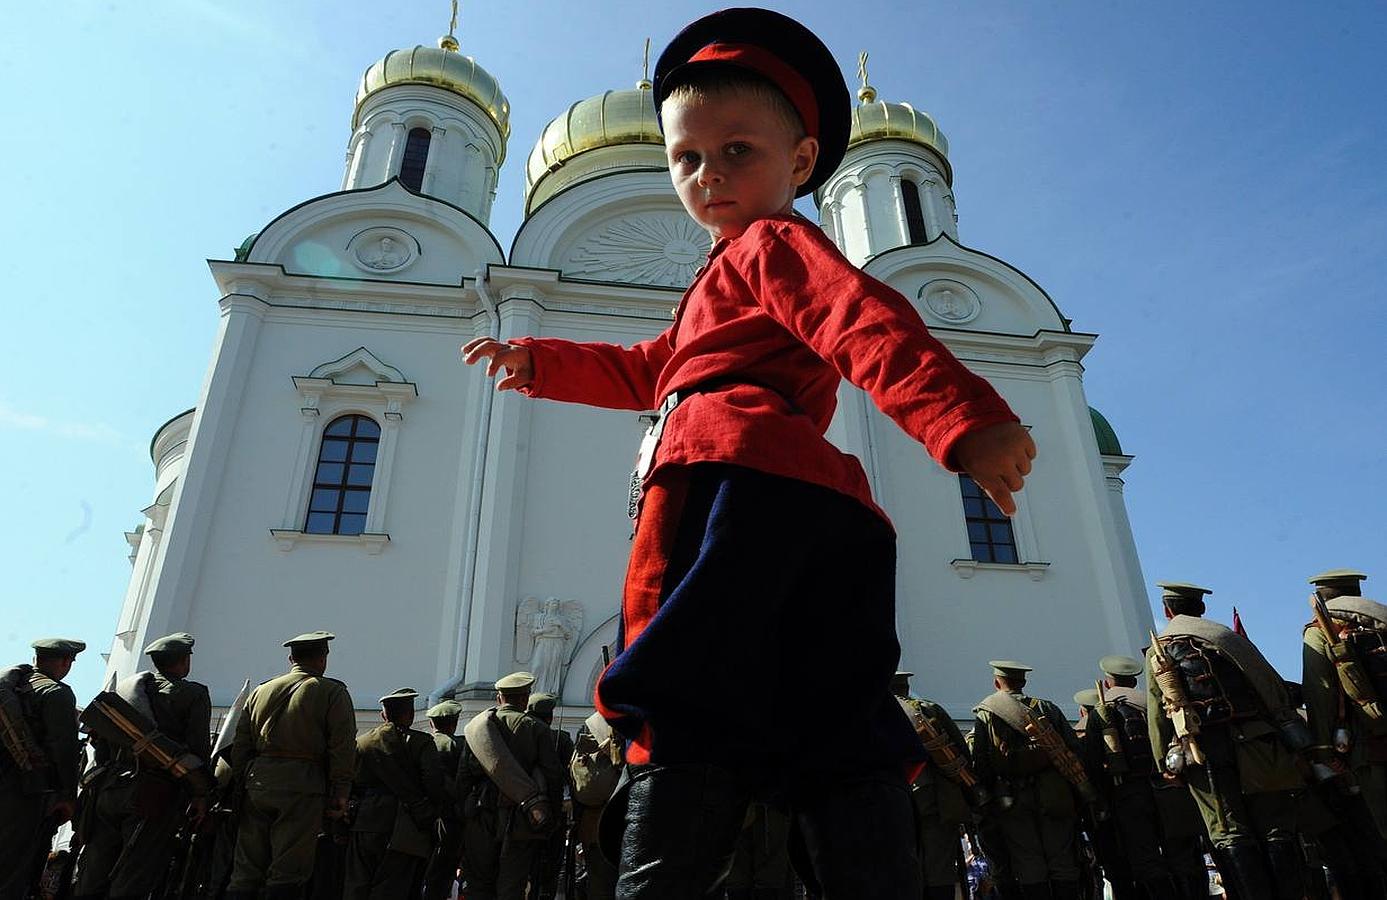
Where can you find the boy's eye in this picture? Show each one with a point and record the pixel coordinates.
(737, 149)
(686, 157)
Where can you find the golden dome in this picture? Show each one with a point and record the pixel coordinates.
(441, 67)
(610, 119)
(877, 120)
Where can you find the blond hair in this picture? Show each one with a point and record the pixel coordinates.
(720, 81)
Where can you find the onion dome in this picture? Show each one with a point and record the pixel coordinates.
(1107, 438)
(564, 153)
(877, 120)
(444, 67)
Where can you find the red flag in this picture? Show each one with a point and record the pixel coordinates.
(1238, 623)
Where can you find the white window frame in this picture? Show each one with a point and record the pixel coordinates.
(322, 399)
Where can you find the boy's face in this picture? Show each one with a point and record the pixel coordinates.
(734, 159)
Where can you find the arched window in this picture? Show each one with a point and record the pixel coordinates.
(914, 214)
(416, 156)
(989, 531)
(342, 481)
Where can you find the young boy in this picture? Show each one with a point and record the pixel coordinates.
(761, 568)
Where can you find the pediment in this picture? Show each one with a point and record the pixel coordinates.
(361, 366)
(953, 286)
(381, 233)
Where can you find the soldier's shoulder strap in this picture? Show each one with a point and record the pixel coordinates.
(489, 741)
(275, 706)
(1009, 709)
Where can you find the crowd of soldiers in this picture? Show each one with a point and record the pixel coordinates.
(1218, 777)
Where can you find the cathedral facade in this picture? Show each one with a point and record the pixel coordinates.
(343, 470)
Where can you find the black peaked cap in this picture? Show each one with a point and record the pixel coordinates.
(793, 44)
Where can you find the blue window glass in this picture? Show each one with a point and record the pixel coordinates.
(341, 491)
(990, 535)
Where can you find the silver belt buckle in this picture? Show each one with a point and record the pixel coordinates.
(645, 455)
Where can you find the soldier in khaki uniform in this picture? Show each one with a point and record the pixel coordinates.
(441, 872)
(941, 804)
(1345, 730)
(594, 771)
(502, 833)
(1241, 767)
(550, 859)
(34, 803)
(132, 813)
(1103, 838)
(1157, 826)
(295, 751)
(1035, 809)
(399, 794)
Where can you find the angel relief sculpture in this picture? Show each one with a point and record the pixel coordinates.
(545, 632)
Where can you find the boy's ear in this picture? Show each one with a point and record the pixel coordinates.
(806, 155)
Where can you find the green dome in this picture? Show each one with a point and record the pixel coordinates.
(1107, 438)
(243, 251)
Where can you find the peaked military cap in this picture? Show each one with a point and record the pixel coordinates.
(780, 50)
(311, 637)
(400, 695)
(901, 679)
(179, 642)
(1349, 577)
(444, 710)
(1120, 666)
(1008, 668)
(1182, 590)
(70, 646)
(1087, 697)
(543, 705)
(515, 681)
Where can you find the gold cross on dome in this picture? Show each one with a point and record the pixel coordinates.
(866, 93)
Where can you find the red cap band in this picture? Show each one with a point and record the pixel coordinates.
(792, 84)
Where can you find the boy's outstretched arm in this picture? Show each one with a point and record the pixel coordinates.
(589, 372)
(998, 457)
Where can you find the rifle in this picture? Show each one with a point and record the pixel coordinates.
(1177, 706)
(1114, 759)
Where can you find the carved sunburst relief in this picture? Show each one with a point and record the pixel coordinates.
(643, 249)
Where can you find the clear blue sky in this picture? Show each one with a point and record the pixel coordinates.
(1200, 184)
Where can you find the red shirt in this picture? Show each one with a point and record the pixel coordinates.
(773, 321)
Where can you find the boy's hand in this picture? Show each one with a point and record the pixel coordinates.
(998, 458)
(519, 366)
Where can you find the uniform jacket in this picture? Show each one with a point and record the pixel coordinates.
(413, 753)
(936, 796)
(999, 751)
(50, 708)
(1324, 698)
(768, 328)
(182, 710)
(532, 744)
(449, 747)
(1251, 745)
(312, 748)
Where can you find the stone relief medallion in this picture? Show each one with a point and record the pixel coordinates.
(383, 250)
(950, 301)
(650, 248)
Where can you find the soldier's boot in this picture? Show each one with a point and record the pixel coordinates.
(1287, 868)
(1244, 869)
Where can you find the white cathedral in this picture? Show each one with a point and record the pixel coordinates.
(343, 470)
